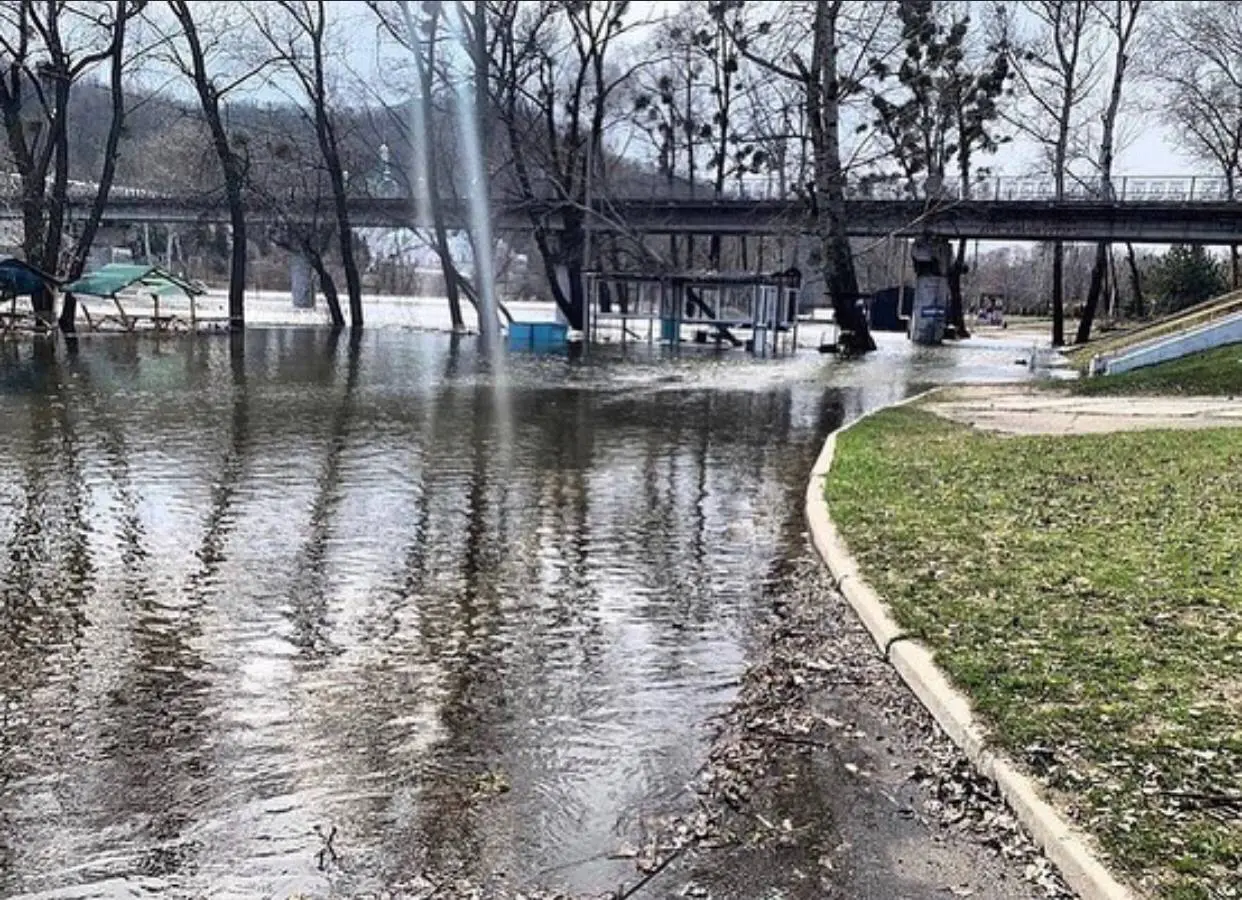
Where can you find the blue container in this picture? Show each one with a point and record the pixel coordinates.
(670, 331)
(538, 335)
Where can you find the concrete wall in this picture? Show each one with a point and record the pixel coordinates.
(1213, 334)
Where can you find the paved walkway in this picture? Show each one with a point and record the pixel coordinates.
(1019, 409)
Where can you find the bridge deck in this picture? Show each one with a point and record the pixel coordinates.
(1185, 213)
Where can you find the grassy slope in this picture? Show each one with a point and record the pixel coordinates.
(1086, 592)
(1216, 372)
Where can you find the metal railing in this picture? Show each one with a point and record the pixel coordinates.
(76, 190)
(1011, 188)
(1004, 188)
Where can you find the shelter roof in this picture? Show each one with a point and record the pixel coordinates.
(19, 278)
(116, 278)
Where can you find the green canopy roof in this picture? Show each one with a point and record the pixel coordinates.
(116, 278)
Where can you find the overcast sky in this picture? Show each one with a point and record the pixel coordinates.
(1145, 150)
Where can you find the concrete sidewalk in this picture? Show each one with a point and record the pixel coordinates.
(1020, 409)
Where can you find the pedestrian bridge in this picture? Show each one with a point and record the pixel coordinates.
(1177, 209)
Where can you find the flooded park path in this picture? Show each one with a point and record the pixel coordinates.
(256, 592)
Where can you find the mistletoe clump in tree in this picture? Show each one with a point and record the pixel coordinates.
(937, 109)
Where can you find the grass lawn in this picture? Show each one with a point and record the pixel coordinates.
(1087, 593)
(1216, 372)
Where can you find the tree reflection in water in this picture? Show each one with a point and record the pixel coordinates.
(260, 584)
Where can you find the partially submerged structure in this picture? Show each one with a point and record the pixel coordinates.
(754, 310)
(140, 296)
(20, 279)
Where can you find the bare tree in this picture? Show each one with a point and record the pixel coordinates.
(773, 120)
(1057, 69)
(1121, 18)
(844, 39)
(1197, 69)
(296, 35)
(203, 48)
(553, 82)
(124, 11)
(729, 155)
(423, 36)
(291, 184)
(669, 107)
(944, 112)
(49, 47)
(423, 30)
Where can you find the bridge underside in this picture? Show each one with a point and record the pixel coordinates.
(1152, 222)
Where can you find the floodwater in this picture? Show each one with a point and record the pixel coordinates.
(474, 623)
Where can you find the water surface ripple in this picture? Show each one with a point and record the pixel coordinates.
(253, 588)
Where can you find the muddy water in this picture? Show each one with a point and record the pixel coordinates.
(475, 624)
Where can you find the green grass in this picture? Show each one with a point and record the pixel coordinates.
(1215, 372)
(1087, 593)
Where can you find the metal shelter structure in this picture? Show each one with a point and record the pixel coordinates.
(20, 279)
(128, 285)
(716, 305)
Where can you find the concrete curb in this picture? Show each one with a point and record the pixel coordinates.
(1064, 845)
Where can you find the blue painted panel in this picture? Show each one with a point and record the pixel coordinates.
(537, 335)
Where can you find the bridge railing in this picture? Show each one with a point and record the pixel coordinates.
(1010, 188)
(1004, 188)
(77, 191)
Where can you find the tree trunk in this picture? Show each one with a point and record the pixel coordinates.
(1136, 282)
(570, 255)
(957, 306)
(33, 209)
(724, 86)
(431, 160)
(1123, 30)
(1113, 292)
(230, 163)
(448, 268)
(353, 281)
(577, 294)
(1068, 58)
(823, 112)
(1235, 265)
(60, 178)
(325, 132)
(237, 258)
(564, 302)
(77, 263)
(328, 283)
(340, 202)
(1058, 294)
(1093, 294)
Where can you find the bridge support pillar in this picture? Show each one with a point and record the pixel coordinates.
(808, 257)
(301, 281)
(932, 258)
